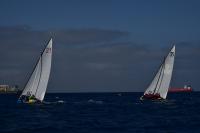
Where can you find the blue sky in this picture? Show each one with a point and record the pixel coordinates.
(106, 32)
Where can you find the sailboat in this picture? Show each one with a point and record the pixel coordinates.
(158, 88)
(35, 88)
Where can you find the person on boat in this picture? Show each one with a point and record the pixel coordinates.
(29, 99)
(33, 99)
(23, 98)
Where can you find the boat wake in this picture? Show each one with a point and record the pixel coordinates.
(94, 101)
(56, 102)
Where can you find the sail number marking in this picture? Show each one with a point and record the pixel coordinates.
(172, 54)
(48, 50)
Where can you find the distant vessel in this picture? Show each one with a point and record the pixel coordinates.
(186, 88)
(158, 88)
(36, 86)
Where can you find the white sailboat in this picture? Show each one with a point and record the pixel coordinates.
(158, 88)
(35, 88)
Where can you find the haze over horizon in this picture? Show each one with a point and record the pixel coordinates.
(100, 46)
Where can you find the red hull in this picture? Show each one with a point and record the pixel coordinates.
(152, 97)
(180, 90)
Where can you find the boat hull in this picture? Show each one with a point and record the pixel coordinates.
(151, 97)
(175, 90)
(31, 101)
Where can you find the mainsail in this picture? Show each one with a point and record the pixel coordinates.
(37, 83)
(161, 81)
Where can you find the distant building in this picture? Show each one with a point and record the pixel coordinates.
(4, 88)
(7, 88)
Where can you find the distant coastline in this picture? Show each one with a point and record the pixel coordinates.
(8, 89)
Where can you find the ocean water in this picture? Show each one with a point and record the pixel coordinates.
(102, 113)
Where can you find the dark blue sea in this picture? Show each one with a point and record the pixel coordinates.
(101, 113)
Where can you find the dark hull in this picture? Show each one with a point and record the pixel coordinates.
(151, 97)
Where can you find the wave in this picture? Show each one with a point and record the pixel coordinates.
(94, 101)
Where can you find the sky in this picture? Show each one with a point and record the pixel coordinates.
(100, 45)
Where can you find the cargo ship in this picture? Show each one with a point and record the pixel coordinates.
(186, 88)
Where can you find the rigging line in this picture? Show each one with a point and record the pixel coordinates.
(40, 77)
(157, 72)
(157, 81)
(159, 77)
(33, 79)
(31, 74)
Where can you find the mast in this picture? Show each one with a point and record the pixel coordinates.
(45, 70)
(41, 65)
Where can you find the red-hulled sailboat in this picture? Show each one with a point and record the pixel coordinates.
(158, 88)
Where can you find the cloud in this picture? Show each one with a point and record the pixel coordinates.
(114, 67)
(21, 45)
(26, 35)
(87, 36)
(91, 60)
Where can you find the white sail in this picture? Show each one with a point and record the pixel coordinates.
(32, 84)
(37, 83)
(161, 81)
